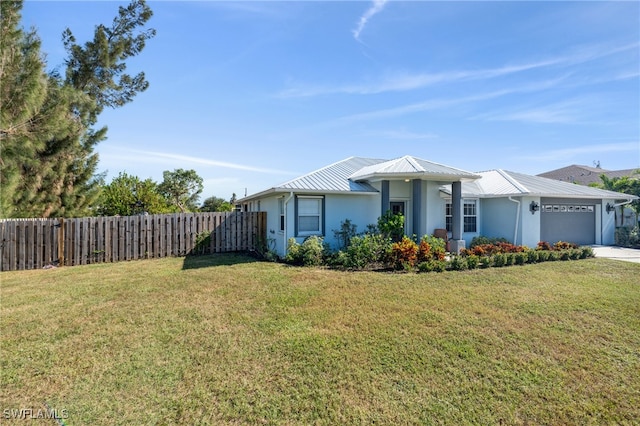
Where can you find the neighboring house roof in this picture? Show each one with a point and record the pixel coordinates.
(585, 175)
(502, 183)
(412, 168)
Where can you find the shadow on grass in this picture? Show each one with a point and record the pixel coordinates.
(195, 261)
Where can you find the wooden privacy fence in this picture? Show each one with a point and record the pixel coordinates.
(37, 243)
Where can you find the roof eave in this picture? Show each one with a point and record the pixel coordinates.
(279, 190)
(376, 177)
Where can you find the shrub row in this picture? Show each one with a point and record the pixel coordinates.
(376, 252)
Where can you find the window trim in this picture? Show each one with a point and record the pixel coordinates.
(281, 216)
(448, 214)
(321, 221)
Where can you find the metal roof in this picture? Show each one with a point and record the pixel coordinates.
(351, 175)
(501, 183)
(331, 178)
(334, 177)
(413, 167)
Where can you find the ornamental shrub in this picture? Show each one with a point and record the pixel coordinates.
(439, 265)
(563, 245)
(509, 258)
(345, 233)
(574, 254)
(586, 251)
(520, 258)
(532, 256)
(404, 253)
(499, 260)
(485, 262)
(310, 253)
(480, 240)
(543, 255)
(543, 245)
(473, 261)
(432, 266)
(628, 236)
(424, 251)
(366, 251)
(391, 225)
(458, 263)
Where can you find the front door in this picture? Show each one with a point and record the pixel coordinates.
(397, 207)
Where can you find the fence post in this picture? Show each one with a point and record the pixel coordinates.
(61, 242)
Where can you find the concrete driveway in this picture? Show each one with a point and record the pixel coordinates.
(617, 253)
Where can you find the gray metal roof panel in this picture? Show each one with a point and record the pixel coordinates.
(501, 183)
(409, 166)
(541, 186)
(334, 177)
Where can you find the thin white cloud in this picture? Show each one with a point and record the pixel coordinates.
(432, 104)
(376, 8)
(569, 153)
(404, 81)
(567, 112)
(142, 156)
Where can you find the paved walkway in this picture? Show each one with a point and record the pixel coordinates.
(617, 253)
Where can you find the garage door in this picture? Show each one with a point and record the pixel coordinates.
(574, 222)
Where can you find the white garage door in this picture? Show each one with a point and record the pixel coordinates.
(571, 221)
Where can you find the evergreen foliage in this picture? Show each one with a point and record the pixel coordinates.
(46, 130)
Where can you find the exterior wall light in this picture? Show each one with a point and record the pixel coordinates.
(610, 208)
(534, 207)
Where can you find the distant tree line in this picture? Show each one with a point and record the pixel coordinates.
(179, 191)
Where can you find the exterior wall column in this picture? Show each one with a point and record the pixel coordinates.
(457, 218)
(386, 205)
(417, 207)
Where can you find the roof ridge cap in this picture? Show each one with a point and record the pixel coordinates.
(412, 160)
(513, 181)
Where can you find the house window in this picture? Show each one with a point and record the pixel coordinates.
(470, 216)
(281, 212)
(309, 215)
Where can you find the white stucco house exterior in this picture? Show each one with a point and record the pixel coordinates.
(523, 209)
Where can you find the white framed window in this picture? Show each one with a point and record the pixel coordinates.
(281, 213)
(309, 215)
(470, 216)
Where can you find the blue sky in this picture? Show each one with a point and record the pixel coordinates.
(254, 94)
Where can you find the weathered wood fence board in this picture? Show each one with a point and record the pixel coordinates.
(36, 243)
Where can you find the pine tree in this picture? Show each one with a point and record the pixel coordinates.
(23, 92)
(48, 159)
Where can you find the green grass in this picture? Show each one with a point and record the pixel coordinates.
(226, 340)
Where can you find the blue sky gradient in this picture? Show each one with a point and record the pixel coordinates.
(254, 94)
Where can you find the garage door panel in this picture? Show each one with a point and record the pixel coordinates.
(574, 223)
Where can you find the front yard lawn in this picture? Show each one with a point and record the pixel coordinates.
(229, 340)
